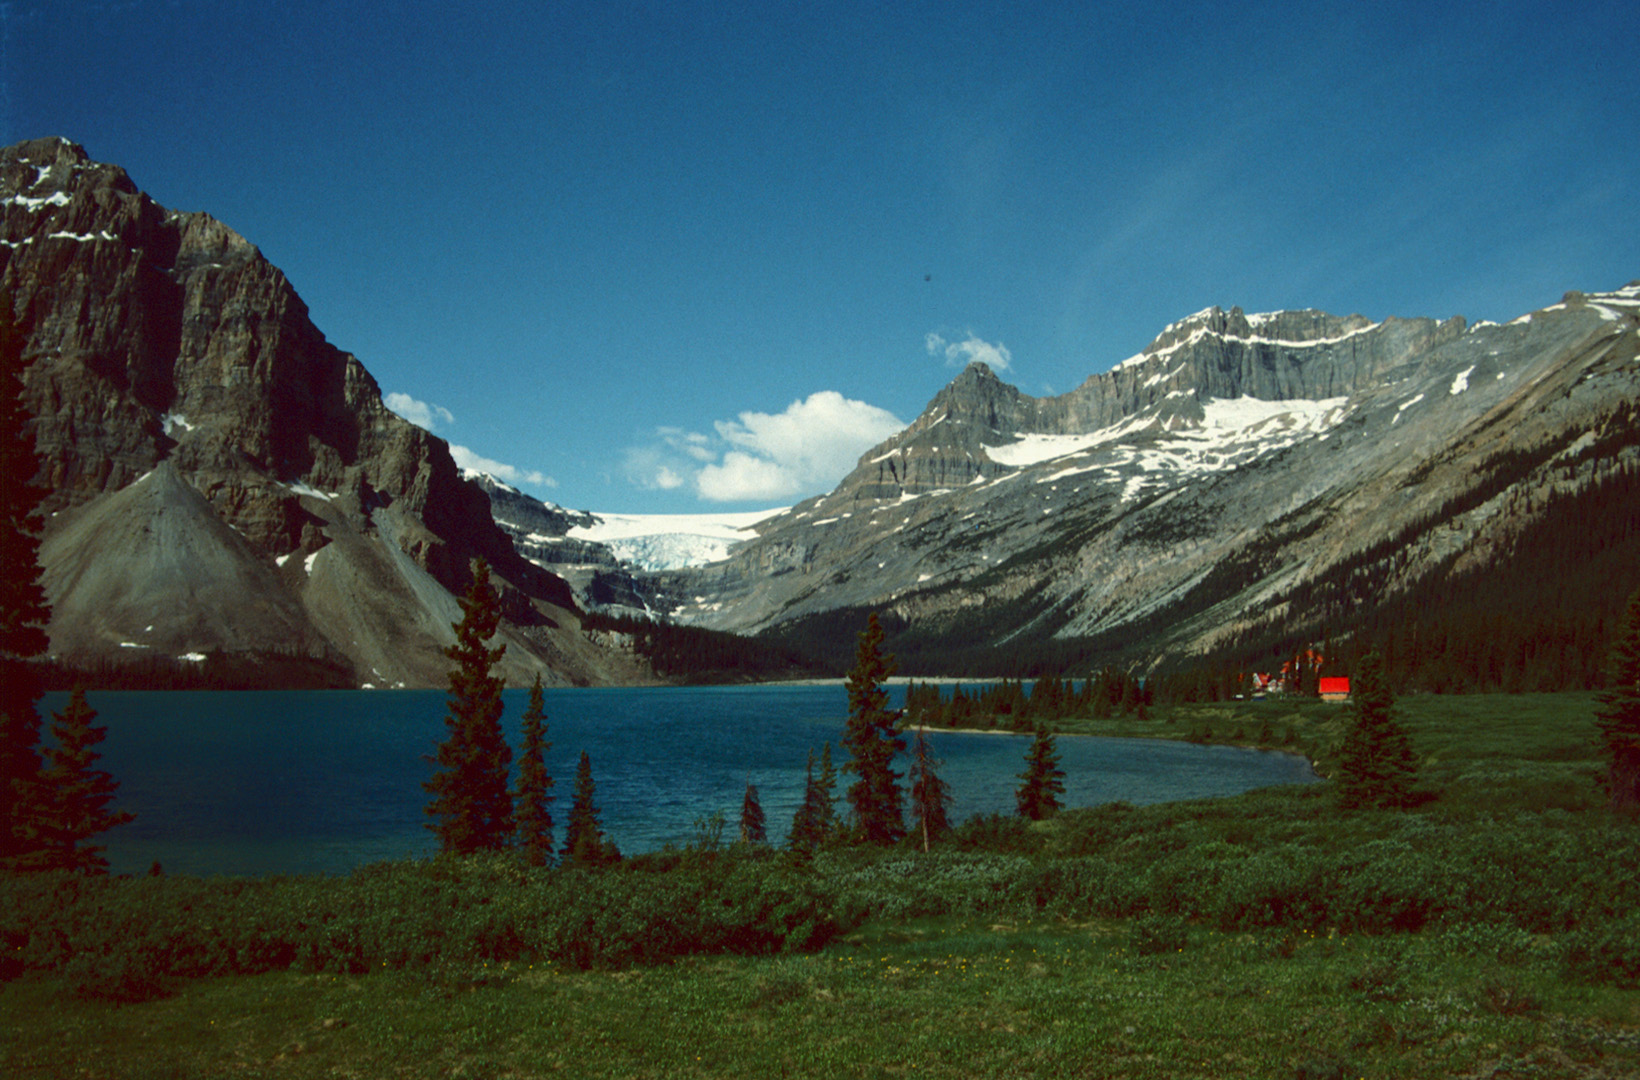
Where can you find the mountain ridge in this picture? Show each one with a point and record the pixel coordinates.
(1288, 440)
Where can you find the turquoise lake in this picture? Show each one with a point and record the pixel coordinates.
(324, 781)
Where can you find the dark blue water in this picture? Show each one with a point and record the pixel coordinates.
(324, 781)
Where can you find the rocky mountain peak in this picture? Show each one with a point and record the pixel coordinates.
(160, 337)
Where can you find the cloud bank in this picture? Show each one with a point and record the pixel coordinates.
(765, 456)
(419, 413)
(428, 417)
(962, 353)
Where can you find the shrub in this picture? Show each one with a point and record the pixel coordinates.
(1154, 934)
(1607, 953)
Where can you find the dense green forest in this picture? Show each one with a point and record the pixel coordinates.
(693, 655)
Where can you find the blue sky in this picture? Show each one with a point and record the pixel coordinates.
(678, 256)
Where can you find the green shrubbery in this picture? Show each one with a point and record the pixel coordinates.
(133, 938)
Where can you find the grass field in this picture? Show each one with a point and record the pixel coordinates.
(1491, 932)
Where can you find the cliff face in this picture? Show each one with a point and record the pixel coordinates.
(167, 354)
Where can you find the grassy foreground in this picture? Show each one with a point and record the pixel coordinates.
(1490, 933)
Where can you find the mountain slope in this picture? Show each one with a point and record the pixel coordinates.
(184, 402)
(1163, 507)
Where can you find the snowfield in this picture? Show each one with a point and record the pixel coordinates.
(672, 541)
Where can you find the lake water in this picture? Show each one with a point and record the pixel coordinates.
(324, 781)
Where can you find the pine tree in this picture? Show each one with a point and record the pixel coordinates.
(23, 610)
(872, 739)
(752, 827)
(808, 830)
(1618, 715)
(531, 816)
(471, 804)
(1376, 767)
(74, 806)
(929, 793)
(1044, 780)
(584, 844)
(827, 785)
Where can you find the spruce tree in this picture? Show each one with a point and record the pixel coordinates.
(1618, 715)
(807, 832)
(929, 793)
(753, 829)
(23, 610)
(532, 817)
(471, 804)
(1376, 767)
(584, 844)
(75, 796)
(1044, 780)
(872, 739)
(827, 785)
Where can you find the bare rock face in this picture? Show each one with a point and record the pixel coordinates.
(163, 345)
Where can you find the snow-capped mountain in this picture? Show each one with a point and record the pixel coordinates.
(1202, 485)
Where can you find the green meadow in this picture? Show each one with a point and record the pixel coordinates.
(1490, 931)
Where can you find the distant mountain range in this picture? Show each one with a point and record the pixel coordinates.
(225, 482)
(1246, 483)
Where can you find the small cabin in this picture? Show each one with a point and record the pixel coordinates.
(1334, 689)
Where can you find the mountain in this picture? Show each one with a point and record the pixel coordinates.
(225, 482)
(1245, 481)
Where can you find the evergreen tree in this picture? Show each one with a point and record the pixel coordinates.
(1618, 715)
(1044, 780)
(531, 816)
(872, 739)
(929, 793)
(828, 793)
(75, 796)
(23, 610)
(471, 805)
(807, 833)
(752, 827)
(584, 843)
(1376, 767)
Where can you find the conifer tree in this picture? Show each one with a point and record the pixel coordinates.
(1044, 780)
(23, 610)
(531, 814)
(584, 844)
(753, 829)
(808, 829)
(872, 739)
(1618, 715)
(929, 793)
(75, 796)
(472, 804)
(1376, 767)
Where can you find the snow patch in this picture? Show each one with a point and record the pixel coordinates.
(171, 421)
(1460, 383)
(193, 657)
(307, 563)
(58, 199)
(302, 488)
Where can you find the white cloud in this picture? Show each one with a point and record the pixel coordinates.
(766, 456)
(962, 353)
(419, 413)
(472, 462)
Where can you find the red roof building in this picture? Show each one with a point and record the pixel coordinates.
(1334, 689)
